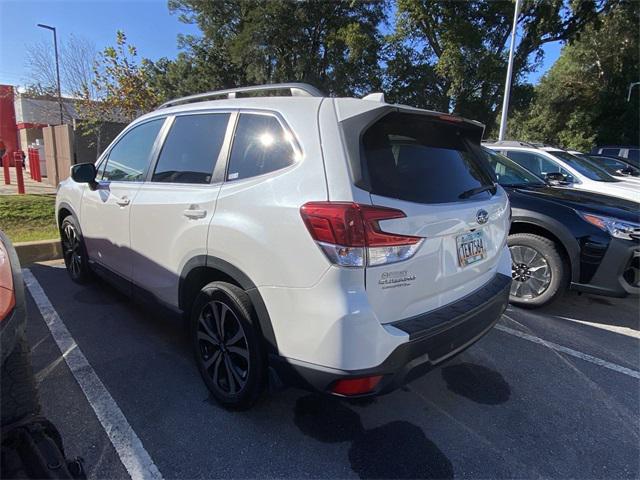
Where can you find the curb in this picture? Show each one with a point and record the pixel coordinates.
(39, 251)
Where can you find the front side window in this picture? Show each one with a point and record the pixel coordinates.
(129, 158)
(538, 164)
(191, 149)
(260, 146)
(419, 159)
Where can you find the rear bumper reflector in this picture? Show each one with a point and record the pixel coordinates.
(356, 386)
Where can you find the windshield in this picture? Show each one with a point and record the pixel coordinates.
(613, 166)
(585, 167)
(509, 173)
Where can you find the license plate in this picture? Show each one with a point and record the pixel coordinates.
(471, 248)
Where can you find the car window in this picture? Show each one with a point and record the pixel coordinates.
(538, 164)
(613, 166)
(260, 146)
(129, 158)
(508, 172)
(192, 147)
(610, 151)
(585, 167)
(418, 159)
(100, 167)
(633, 154)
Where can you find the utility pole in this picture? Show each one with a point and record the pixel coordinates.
(507, 84)
(55, 46)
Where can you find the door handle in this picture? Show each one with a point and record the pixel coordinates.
(123, 202)
(193, 213)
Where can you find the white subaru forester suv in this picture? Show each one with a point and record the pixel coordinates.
(338, 244)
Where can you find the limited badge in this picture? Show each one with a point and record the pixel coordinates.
(401, 278)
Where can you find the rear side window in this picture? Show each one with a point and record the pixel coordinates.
(530, 161)
(129, 158)
(414, 158)
(260, 146)
(191, 149)
(611, 151)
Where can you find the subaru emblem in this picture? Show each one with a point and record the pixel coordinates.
(482, 216)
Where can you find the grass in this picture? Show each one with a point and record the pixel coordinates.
(25, 218)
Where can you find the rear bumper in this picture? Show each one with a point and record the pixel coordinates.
(615, 274)
(433, 338)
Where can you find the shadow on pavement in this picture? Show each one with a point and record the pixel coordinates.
(398, 449)
(477, 383)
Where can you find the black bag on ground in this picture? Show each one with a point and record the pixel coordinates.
(32, 448)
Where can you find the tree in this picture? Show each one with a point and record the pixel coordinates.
(77, 58)
(121, 85)
(334, 45)
(119, 93)
(581, 101)
(459, 49)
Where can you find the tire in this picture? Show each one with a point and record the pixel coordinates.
(19, 396)
(537, 280)
(234, 370)
(74, 251)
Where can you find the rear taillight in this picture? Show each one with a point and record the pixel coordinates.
(350, 233)
(7, 295)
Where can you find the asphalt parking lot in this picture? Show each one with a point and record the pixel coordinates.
(548, 393)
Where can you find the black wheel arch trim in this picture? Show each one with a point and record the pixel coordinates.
(66, 206)
(557, 229)
(245, 283)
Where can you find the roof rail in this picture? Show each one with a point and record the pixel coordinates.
(296, 89)
(512, 143)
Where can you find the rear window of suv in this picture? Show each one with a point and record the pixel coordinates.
(418, 159)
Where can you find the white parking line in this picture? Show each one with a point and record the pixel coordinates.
(128, 446)
(570, 351)
(629, 332)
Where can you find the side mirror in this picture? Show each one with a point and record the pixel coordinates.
(84, 173)
(555, 178)
(627, 171)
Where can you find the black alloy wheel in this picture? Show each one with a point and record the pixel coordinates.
(223, 347)
(228, 345)
(74, 251)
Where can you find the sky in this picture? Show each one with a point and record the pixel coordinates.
(148, 25)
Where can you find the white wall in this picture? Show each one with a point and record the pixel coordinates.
(30, 110)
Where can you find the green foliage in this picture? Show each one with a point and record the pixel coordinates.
(457, 49)
(581, 101)
(334, 45)
(122, 87)
(443, 55)
(28, 217)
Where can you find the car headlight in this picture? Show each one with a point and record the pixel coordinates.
(615, 227)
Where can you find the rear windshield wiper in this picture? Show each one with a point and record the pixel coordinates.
(477, 190)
